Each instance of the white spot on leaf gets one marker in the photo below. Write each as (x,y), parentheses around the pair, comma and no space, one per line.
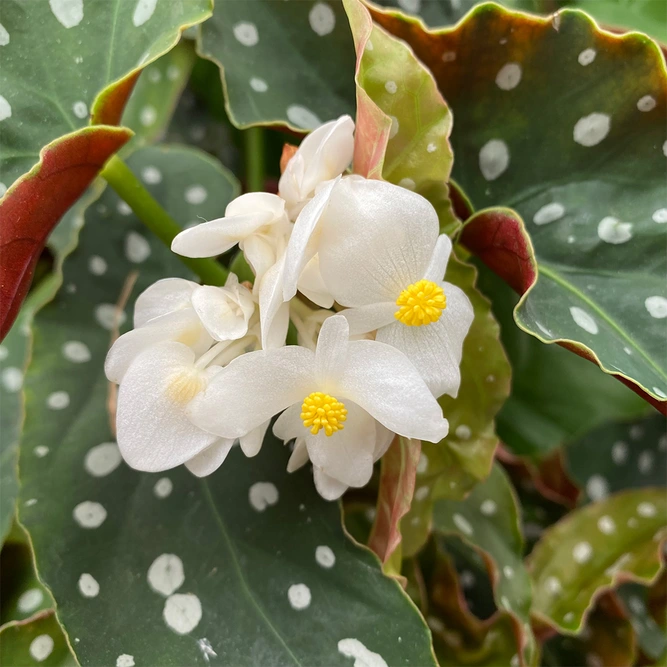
(322,19)
(597,487)
(592,129)
(103,459)
(109,316)
(299,596)
(76,352)
(410,6)
(88,585)
(125,660)
(393,130)
(246,33)
(89,514)
(151,175)
(584,320)
(148,115)
(586,57)
(494,158)
(165,575)
(58,400)
(163,487)
(488,507)
(301,117)
(41,451)
(646,103)
(660,216)
(196,194)
(143,11)
(656,307)
(41,646)
(353,648)
(262,494)
(462,524)
(325,556)
(391,87)
(619,452)
(258,85)
(12,379)
(463,432)
(80,109)
(407,183)
(582,552)
(97,265)
(645,462)
(182,612)
(5,109)
(549,213)
(137,248)
(4,36)
(68,12)
(612,230)
(606,525)
(647,510)
(30,600)
(509,76)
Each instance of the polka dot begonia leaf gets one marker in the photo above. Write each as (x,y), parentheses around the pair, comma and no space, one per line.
(403,124)
(557,397)
(288,63)
(618,456)
(83,57)
(563,122)
(488,520)
(449,469)
(38,641)
(249,566)
(593,549)
(650,636)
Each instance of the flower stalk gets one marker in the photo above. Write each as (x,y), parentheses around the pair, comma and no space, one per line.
(129,188)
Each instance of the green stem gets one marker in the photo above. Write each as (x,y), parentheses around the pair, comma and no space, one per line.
(129,188)
(254,159)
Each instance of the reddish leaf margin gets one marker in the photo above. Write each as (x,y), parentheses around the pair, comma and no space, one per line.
(35,203)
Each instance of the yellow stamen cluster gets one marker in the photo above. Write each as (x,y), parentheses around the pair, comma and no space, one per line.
(420,303)
(321,411)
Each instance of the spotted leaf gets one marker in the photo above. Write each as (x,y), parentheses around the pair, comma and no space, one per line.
(247,567)
(452,467)
(556,397)
(288,63)
(565,123)
(592,550)
(403,124)
(618,456)
(36,641)
(488,519)
(650,636)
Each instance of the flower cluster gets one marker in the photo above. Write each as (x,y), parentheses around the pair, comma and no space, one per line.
(357,265)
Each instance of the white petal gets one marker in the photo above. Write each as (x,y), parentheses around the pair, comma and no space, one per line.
(273,314)
(303,242)
(436,349)
(253,388)
(210,459)
(164,296)
(327,487)
(376,239)
(438,264)
(299,456)
(312,286)
(252,443)
(347,455)
(371,317)
(261,252)
(290,425)
(152,430)
(324,154)
(331,351)
(182,326)
(383,439)
(383,382)
(210,239)
(224,311)
(256,202)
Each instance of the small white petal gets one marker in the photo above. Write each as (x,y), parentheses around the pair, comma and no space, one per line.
(210,459)
(328,487)
(162,297)
(331,350)
(224,311)
(252,442)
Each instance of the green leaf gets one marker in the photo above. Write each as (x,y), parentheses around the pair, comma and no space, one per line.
(452,467)
(565,123)
(157,93)
(37,641)
(557,397)
(644,15)
(594,548)
(488,519)
(288,63)
(247,537)
(650,636)
(402,124)
(618,456)
(83,56)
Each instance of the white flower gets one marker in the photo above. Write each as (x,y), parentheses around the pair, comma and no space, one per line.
(324,154)
(380,255)
(256,221)
(180,310)
(332,398)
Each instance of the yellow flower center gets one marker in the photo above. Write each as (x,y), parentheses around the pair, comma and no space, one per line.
(323,411)
(420,303)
